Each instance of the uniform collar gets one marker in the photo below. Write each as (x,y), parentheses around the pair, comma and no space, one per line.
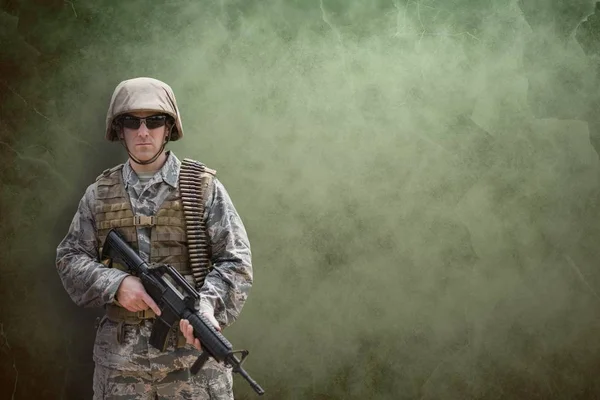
(169,172)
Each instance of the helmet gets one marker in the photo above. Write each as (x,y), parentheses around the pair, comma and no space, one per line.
(142,94)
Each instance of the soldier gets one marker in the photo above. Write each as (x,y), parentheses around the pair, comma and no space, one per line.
(141,198)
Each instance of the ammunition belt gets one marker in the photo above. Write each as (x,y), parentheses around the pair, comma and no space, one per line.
(194,181)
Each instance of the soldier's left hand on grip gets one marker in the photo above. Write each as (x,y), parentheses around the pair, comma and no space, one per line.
(188,330)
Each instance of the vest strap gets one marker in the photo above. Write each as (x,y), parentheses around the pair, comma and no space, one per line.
(123,316)
(120,314)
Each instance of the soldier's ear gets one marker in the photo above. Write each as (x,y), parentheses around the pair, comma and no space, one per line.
(118,129)
(168,130)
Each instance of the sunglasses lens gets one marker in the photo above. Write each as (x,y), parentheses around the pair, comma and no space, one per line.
(155,121)
(152,122)
(130,122)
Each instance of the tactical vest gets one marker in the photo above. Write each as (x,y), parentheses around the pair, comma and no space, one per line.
(168,244)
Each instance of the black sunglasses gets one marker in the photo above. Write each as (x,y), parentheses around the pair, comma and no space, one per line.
(152,122)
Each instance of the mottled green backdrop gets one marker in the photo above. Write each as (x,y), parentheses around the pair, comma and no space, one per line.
(419,180)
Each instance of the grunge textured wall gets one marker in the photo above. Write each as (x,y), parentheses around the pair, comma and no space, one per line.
(419,180)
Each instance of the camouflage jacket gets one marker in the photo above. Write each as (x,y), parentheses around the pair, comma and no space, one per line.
(91,284)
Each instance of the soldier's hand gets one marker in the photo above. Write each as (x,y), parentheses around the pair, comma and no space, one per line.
(133,297)
(188,330)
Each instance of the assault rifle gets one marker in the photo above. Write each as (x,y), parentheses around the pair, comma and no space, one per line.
(176,305)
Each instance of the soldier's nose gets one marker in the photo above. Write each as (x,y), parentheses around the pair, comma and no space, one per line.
(143,130)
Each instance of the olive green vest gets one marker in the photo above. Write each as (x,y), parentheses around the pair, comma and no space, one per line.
(168,244)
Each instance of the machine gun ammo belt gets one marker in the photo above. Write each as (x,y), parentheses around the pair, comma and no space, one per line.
(194,181)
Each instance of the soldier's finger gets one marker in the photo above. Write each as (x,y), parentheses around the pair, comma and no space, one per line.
(148,300)
(130,307)
(213,321)
(190,334)
(184,327)
(197,344)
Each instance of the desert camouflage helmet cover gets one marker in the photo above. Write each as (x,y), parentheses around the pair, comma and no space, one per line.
(142,94)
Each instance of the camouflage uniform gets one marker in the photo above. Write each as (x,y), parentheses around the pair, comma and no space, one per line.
(133,369)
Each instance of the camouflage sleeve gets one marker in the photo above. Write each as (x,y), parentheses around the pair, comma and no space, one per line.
(226,287)
(88,282)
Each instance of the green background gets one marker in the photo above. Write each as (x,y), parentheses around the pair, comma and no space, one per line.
(419,180)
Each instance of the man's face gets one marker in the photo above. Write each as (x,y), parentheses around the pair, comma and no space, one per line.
(145,141)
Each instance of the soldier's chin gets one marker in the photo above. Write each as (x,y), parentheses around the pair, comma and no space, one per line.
(144,155)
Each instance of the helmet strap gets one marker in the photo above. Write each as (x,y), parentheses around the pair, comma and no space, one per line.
(151,160)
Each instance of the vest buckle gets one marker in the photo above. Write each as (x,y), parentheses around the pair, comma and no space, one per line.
(143,220)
